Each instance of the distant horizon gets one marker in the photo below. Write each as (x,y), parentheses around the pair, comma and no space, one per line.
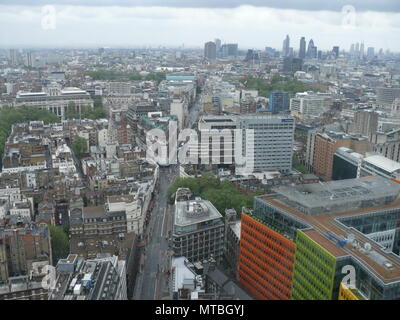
(171,47)
(127,24)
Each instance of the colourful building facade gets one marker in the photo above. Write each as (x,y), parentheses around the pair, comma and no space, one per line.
(314,270)
(266,260)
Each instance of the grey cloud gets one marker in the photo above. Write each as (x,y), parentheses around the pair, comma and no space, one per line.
(309,5)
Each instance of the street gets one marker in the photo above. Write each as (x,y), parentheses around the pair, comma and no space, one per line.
(153,278)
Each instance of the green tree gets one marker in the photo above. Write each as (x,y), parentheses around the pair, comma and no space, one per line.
(223,194)
(79,147)
(59,243)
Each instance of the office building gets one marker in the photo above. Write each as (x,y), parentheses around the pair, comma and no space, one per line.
(335,51)
(292,65)
(307,104)
(365,123)
(322,146)
(387,144)
(101,278)
(371,53)
(387,95)
(272,146)
(348,164)
(229,50)
(297,240)
(302,49)
(218,46)
(198,231)
(286,46)
(210,51)
(345,164)
(311,50)
(56,100)
(279,102)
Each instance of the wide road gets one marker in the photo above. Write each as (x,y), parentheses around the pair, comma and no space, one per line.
(153,280)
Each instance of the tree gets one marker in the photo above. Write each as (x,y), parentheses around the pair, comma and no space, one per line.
(71,111)
(222,194)
(59,243)
(79,146)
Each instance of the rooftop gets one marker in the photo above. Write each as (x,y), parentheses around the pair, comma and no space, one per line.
(383,163)
(195,212)
(338,196)
(385,266)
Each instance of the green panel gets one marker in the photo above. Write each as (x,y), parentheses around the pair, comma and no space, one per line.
(314,270)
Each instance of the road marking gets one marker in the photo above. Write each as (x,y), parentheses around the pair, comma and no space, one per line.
(162,225)
(155,290)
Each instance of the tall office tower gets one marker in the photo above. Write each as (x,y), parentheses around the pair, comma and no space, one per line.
(366,122)
(302,50)
(362,50)
(198,232)
(286,46)
(232,49)
(29,62)
(13,57)
(357,49)
(273,141)
(210,51)
(370,53)
(352,49)
(218,46)
(229,50)
(311,50)
(101,278)
(279,101)
(296,241)
(335,51)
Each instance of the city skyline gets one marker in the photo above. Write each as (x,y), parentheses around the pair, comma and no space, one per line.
(173,24)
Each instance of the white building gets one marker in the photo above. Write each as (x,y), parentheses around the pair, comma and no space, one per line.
(307,104)
(56,100)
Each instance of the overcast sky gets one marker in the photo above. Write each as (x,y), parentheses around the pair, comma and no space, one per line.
(250,23)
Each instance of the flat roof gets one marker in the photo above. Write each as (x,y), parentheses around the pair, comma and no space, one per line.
(195,211)
(341,195)
(383,163)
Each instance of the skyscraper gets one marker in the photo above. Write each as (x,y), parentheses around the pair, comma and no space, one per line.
(362,50)
(302,50)
(370,52)
(311,50)
(357,49)
(286,46)
(210,50)
(218,46)
(229,50)
(335,51)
